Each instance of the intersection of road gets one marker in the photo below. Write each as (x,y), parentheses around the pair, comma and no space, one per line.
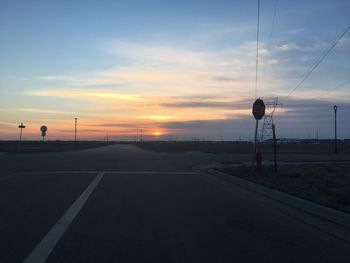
(144,207)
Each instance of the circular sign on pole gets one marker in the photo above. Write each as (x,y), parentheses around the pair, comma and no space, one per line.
(259,109)
(43,130)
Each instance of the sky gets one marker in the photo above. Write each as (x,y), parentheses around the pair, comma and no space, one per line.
(178,70)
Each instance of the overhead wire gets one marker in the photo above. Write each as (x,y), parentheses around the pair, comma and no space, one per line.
(329,91)
(270,36)
(318,62)
(273,23)
(257,50)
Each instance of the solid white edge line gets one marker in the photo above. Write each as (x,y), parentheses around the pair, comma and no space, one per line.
(42,251)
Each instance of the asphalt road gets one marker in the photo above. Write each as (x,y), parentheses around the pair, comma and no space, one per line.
(123,204)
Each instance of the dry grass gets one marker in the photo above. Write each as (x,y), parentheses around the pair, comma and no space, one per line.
(218,147)
(325,183)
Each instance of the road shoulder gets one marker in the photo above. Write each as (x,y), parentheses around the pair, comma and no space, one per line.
(331,221)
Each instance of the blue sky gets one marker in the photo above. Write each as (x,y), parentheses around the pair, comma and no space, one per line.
(184,68)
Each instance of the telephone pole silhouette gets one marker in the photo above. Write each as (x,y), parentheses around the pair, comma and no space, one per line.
(75,130)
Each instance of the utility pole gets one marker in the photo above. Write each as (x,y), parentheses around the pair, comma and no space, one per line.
(141,135)
(335,129)
(274,147)
(75,130)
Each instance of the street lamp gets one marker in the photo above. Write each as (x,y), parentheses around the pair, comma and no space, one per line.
(75,131)
(335,129)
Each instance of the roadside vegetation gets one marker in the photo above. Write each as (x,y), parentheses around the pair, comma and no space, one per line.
(324,183)
(239,147)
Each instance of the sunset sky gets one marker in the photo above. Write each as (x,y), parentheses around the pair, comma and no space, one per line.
(177,69)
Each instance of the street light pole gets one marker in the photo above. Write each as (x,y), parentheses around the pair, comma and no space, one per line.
(335,129)
(274,147)
(75,131)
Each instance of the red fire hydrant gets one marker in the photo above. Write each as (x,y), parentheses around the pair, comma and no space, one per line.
(258,159)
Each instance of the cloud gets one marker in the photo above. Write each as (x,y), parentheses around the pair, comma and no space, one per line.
(208,104)
(146,68)
(316,46)
(344,43)
(58,78)
(85,94)
(116,124)
(295,31)
(289,46)
(70,131)
(155,55)
(179,89)
(46,111)
(297,119)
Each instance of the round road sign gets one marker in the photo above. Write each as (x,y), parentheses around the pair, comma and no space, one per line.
(259,109)
(43,130)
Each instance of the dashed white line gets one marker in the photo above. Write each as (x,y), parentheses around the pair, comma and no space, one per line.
(42,251)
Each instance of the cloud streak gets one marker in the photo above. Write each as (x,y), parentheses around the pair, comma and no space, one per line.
(182,90)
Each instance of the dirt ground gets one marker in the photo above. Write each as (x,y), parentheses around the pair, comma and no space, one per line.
(326,183)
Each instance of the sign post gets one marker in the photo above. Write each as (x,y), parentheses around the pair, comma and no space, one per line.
(21,126)
(258,113)
(43,130)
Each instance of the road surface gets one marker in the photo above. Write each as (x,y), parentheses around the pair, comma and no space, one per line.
(122,204)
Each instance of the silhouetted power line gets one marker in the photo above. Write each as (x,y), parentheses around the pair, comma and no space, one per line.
(273,24)
(337,87)
(318,61)
(257,50)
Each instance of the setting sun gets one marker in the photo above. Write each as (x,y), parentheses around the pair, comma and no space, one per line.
(157,133)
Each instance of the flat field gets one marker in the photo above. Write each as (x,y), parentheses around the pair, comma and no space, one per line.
(47,146)
(241,147)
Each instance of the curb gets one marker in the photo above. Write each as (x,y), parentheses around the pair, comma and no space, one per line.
(332,221)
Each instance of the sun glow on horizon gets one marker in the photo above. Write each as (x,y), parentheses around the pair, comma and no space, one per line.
(157,133)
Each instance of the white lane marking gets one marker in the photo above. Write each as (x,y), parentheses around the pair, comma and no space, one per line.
(107,172)
(121,172)
(59,172)
(42,251)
